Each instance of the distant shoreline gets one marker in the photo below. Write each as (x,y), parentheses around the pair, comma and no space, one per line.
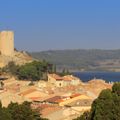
(107,76)
(82,59)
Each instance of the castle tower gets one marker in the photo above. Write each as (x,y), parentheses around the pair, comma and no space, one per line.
(7,43)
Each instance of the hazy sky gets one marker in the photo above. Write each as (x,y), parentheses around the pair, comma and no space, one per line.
(62,24)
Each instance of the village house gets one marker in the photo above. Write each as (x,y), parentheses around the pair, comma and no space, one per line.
(67,100)
(42,84)
(71,80)
(56,80)
(59,81)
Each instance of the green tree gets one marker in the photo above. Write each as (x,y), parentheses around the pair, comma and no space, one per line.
(11,68)
(54,69)
(116,98)
(85,116)
(35,70)
(23,112)
(65,72)
(103,106)
(16,111)
(106,106)
(4,113)
(29,72)
(116,88)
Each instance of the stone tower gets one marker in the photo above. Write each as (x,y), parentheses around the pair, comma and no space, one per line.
(7,43)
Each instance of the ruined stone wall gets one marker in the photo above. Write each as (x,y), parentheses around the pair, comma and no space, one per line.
(7,43)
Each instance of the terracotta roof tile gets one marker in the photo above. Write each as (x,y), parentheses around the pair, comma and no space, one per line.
(57,77)
(34,98)
(53,99)
(49,110)
(75,95)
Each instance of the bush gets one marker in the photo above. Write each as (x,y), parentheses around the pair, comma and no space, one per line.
(16,111)
(30,71)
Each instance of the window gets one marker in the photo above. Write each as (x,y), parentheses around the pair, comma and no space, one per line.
(60,84)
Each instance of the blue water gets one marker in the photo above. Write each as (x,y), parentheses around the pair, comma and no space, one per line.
(107,76)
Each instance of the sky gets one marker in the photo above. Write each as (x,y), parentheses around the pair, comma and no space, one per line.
(41,25)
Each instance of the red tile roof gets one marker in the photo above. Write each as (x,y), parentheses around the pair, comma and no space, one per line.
(57,77)
(75,95)
(35,98)
(53,99)
(65,78)
(69,78)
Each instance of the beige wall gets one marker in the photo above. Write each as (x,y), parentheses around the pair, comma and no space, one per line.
(51,79)
(42,84)
(67,83)
(75,82)
(7,43)
(59,83)
(82,108)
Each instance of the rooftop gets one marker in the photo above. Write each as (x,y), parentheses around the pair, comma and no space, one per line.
(65,78)
(57,77)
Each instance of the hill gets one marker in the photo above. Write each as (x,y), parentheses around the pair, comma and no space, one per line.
(19,57)
(81,59)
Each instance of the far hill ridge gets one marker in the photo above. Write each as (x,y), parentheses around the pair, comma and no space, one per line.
(82,59)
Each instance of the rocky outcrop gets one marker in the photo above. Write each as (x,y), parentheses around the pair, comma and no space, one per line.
(19,58)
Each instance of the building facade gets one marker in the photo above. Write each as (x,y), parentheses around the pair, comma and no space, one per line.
(59,81)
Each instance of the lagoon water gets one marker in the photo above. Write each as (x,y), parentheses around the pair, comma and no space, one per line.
(108,76)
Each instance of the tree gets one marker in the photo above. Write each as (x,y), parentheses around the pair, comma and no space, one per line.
(4,113)
(116,88)
(102,107)
(85,116)
(106,106)
(54,69)
(23,112)
(29,72)
(35,70)
(11,68)
(65,72)
(116,98)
